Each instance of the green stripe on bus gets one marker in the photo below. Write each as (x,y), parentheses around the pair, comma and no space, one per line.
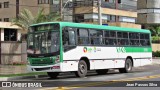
(133,49)
(138,49)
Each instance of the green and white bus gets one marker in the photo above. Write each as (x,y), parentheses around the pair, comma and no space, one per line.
(55,47)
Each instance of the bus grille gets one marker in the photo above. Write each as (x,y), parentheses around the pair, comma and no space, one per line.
(41,61)
(41,69)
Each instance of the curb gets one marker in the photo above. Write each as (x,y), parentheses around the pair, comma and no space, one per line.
(21,77)
(155,57)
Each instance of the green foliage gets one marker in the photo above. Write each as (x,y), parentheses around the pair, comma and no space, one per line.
(26,18)
(156,54)
(155,30)
(155,39)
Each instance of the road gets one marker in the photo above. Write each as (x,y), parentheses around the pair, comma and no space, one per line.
(111,81)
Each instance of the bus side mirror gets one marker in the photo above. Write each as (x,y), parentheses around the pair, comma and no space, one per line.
(65,36)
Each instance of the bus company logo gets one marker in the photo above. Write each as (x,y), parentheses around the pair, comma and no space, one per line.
(121,50)
(95,49)
(89,50)
(85,49)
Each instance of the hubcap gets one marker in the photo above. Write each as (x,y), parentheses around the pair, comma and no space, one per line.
(128,66)
(82,68)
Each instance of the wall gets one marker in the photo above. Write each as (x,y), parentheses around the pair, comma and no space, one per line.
(15,52)
(141,4)
(155,47)
(9,25)
(148,11)
(32,5)
(122,24)
(129,2)
(12,51)
(119,24)
(83,10)
(2,35)
(8,12)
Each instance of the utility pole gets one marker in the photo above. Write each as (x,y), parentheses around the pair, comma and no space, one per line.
(60,9)
(116,7)
(17,8)
(99,12)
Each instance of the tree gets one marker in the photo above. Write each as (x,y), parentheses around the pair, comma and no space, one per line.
(155,29)
(26,18)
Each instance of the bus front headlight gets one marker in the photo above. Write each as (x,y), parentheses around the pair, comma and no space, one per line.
(28,62)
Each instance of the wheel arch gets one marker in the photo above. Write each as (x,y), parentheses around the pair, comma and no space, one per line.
(87,62)
(129,57)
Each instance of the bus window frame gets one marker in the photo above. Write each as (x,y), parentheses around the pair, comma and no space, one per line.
(103,38)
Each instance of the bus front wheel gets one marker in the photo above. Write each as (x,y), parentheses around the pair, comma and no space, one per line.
(128,66)
(53,74)
(82,69)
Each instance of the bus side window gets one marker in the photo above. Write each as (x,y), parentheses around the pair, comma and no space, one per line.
(134,39)
(96,37)
(83,38)
(72,40)
(144,39)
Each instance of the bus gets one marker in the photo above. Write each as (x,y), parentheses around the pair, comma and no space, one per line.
(56,47)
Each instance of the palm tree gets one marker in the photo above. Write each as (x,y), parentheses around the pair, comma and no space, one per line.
(26,18)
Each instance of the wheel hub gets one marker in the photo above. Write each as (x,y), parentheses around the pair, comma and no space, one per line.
(82,68)
(128,66)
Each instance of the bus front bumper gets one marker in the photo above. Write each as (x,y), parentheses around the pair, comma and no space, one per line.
(48,68)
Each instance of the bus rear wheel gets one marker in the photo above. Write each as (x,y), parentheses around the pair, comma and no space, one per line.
(82,69)
(128,66)
(102,71)
(53,74)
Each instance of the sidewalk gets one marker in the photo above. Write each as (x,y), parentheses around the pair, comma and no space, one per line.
(12,69)
(156,61)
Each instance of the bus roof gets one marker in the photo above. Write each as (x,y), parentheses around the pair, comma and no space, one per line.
(93,26)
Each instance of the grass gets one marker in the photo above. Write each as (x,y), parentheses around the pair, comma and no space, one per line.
(24,74)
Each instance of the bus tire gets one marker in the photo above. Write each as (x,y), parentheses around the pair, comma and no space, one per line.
(82,69)
(102,71)
(53,74)
(128,66)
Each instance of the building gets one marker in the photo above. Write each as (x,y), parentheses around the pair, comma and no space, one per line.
(67,9)
(10,36)
(148,15)
(11,8)
(148,12)
(13,50)
(114,12)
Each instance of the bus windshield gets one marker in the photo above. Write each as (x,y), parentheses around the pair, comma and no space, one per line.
(43,42)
